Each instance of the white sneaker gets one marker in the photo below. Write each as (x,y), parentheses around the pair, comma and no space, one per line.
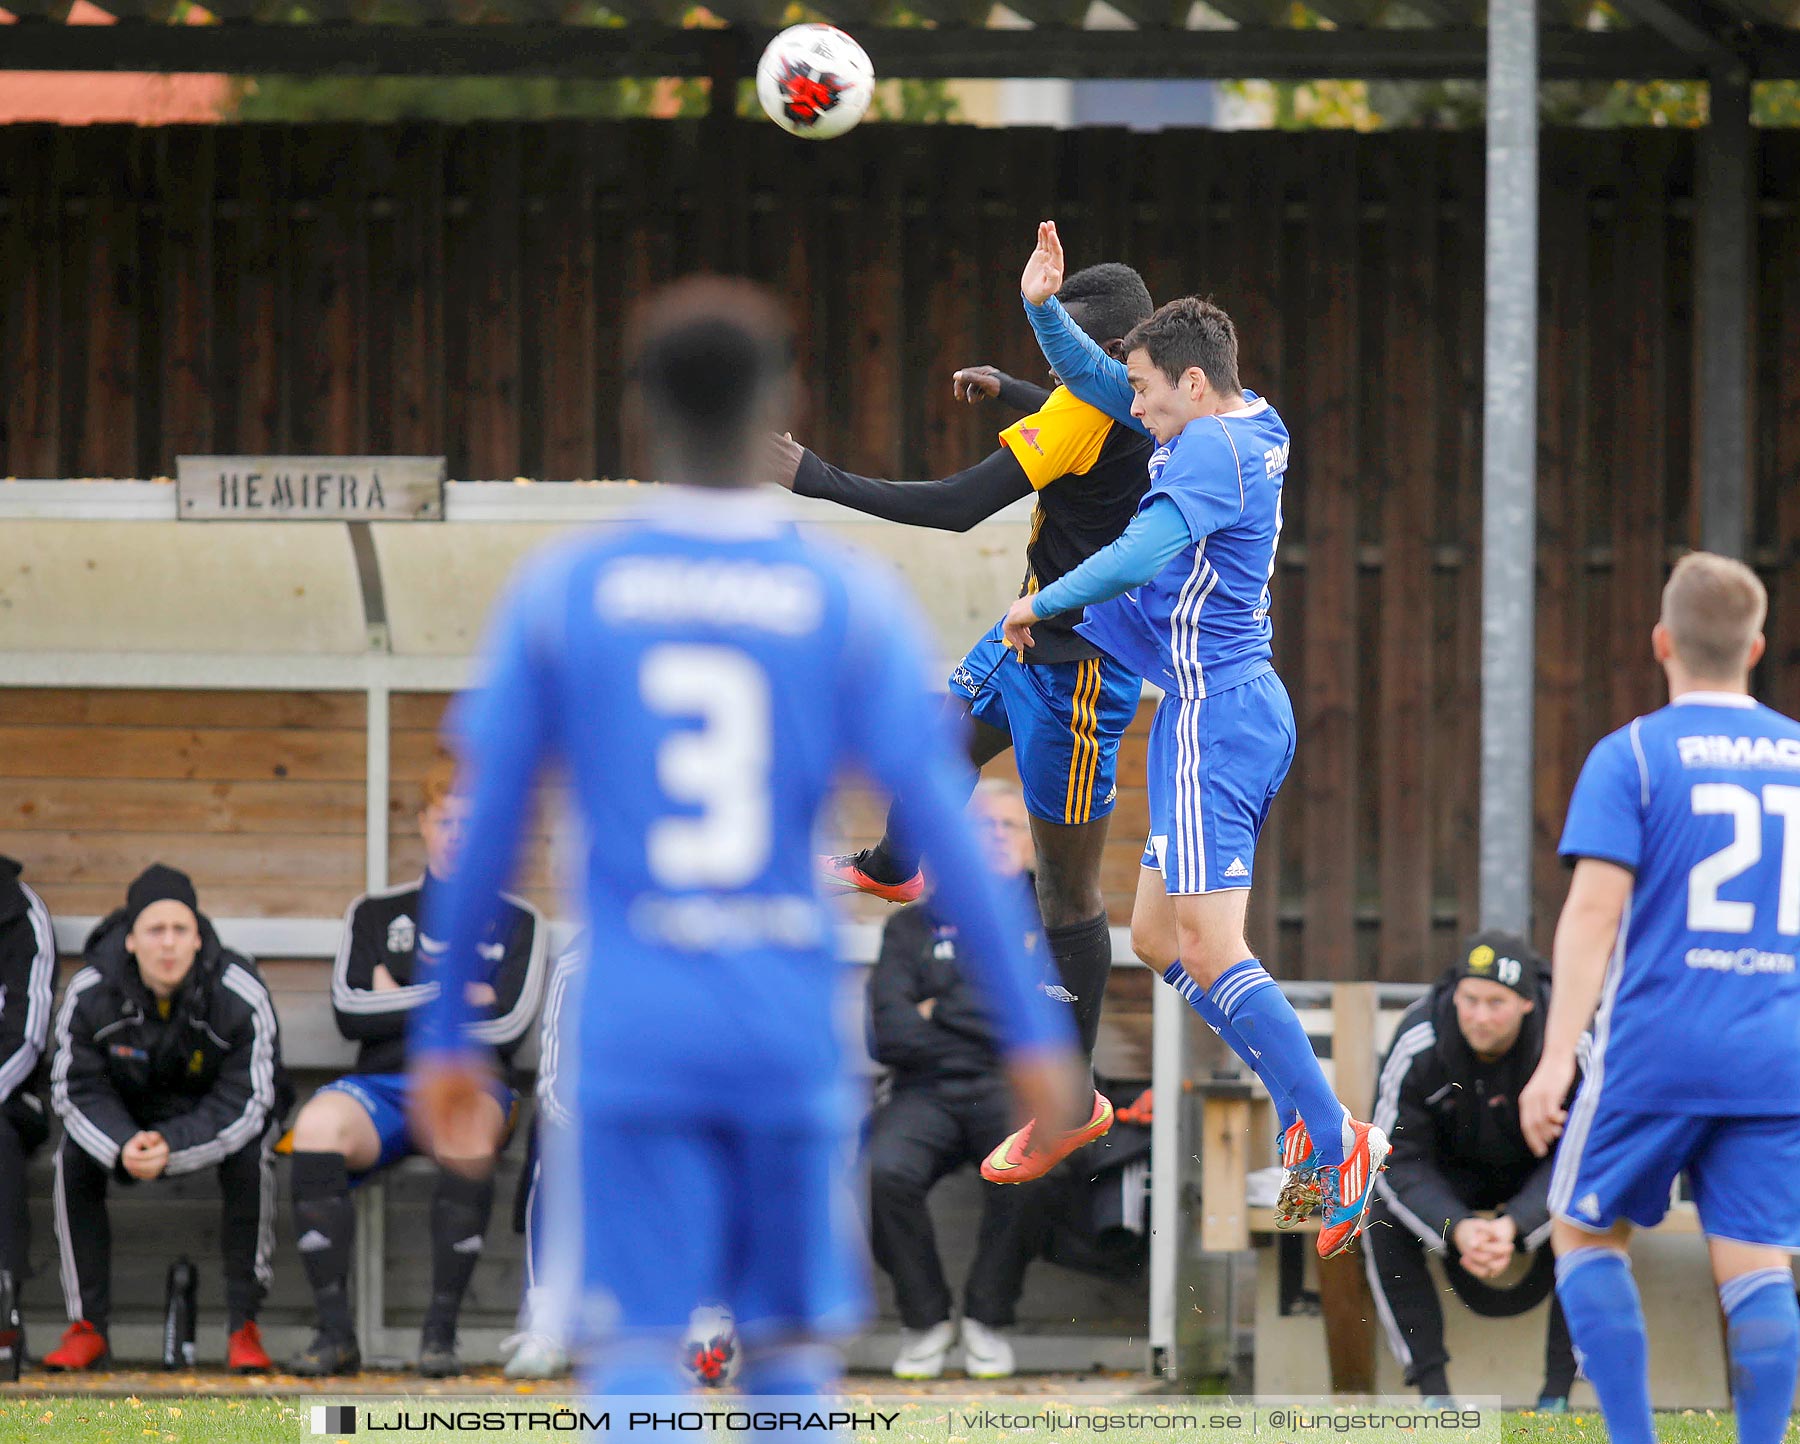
(922,1351)
(534,1356)
(986,1353)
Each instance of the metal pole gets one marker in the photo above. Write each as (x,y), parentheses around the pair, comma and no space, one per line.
(379,736)
(1724,274)
(1168,1171)
(1509,466)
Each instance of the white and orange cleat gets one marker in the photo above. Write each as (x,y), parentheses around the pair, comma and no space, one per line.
(1350,1189)
(1303,1185)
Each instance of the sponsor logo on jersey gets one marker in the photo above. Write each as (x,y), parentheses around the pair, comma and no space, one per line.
(402,934)
(664,591)
(490,952)
(1744,962)
(1715,751)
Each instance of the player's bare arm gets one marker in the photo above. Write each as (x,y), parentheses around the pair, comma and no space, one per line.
(1585,934)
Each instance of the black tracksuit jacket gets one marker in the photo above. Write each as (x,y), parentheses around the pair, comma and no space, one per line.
(206,1074)
(1454,1123)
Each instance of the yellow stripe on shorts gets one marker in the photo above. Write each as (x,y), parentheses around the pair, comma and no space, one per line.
(1084,761)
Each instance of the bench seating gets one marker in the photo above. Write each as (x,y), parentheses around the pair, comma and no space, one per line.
(1066,1320)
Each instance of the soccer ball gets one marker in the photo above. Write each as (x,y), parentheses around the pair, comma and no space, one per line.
(709,1353)
(814,81)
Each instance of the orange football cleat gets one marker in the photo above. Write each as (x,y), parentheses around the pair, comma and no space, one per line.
(1017,1161)
(845,872)
(1350,1189)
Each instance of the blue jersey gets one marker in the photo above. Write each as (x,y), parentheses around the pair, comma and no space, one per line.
(703,675)
(1701,1008)
(1201,625)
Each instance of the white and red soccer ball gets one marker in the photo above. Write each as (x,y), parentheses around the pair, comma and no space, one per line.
(815,81)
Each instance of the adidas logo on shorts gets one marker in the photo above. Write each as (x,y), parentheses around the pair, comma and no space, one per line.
(1589,1205)
(1237,868)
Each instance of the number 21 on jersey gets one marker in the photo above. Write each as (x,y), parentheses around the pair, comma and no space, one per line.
(1707,911)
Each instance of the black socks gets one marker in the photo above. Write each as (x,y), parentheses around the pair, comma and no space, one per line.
(325,1223)
(1083,954)
(459,1218)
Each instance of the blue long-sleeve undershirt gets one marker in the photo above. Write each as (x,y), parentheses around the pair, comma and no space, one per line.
(1157,535)
(1080,363)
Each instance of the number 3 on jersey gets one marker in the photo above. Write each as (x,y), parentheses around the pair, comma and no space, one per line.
(720,767)
(1707,911)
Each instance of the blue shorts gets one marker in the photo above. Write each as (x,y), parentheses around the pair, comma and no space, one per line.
(1065,720)
(676,1214)
(383,1097)
(1214,766)
(1744,1172)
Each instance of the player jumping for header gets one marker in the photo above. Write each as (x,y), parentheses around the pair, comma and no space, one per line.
(1678,939)
(1183,598)
(703,674)
(1064,705)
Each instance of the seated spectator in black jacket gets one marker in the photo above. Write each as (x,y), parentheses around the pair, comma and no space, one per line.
(27,980)
(1461,1182)
(168,1060)
(949,1106)
(360,1123)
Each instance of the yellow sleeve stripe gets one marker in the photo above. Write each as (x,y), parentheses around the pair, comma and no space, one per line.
(1064,438)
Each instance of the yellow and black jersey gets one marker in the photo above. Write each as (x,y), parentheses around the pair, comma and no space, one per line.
(1089,473)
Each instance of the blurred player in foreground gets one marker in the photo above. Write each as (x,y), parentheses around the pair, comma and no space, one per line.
(1680,933)
(1062,706)
(702,676)
(1183,597)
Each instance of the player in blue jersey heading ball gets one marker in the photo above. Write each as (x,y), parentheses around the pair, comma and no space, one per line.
(703,674)
(1183,597)
(1679,940)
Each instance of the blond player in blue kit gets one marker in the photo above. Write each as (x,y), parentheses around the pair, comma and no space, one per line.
(1679,941)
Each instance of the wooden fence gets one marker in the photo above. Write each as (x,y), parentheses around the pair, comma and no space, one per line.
(462,290)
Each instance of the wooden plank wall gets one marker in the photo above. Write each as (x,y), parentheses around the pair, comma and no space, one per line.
(463,290)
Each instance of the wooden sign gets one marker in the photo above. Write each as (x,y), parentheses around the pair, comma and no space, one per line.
(310,488)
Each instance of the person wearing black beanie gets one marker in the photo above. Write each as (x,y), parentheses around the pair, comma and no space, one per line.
(167,1061)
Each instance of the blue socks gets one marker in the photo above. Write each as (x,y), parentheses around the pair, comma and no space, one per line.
(1764,1334)
(1606,1324)
(1282,1054)
(1177,977)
